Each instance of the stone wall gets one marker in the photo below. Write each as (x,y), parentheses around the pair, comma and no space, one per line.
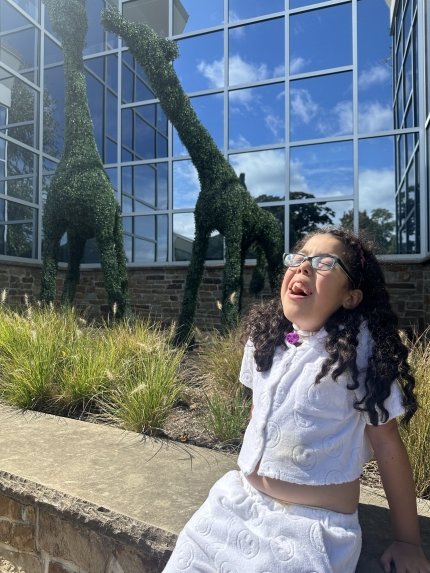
(36,537)
(157,291)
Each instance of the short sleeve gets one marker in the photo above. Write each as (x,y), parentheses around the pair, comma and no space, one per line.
(393,404)
(247,369)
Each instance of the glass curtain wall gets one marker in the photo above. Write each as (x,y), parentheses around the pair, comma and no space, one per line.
(298,95)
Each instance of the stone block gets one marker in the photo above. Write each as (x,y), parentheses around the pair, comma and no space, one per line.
(73,542)
(125,560)
(17,535)
(56,567)
(12,562)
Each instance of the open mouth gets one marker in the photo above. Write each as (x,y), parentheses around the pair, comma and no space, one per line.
(300,289)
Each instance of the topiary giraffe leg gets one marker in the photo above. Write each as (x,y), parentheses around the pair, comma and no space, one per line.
(50,264)
(192,283)
(76,251)
(111,279)
(232,275)
(120,257)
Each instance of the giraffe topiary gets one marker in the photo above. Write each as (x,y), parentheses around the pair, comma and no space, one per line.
(223,204)
(80,200)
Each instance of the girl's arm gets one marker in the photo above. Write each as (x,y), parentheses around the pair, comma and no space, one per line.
(405,552)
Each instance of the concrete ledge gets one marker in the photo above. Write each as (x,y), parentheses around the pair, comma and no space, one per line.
(130,491)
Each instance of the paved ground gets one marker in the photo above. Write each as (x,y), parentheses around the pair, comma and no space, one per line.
(154,482)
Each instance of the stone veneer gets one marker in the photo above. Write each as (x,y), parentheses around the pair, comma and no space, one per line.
(157,291)
(41,534)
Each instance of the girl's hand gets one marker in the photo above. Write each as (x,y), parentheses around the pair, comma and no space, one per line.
(406,557)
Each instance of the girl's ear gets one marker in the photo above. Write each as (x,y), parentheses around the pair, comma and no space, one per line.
(353,299)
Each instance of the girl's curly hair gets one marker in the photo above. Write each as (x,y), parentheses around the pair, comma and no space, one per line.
(266,325)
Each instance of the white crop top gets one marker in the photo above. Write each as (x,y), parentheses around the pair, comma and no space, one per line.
(302,432)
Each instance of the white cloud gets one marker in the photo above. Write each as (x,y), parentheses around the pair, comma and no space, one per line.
(275,124)
(242,72)
(302,105)
(376,189)
(213,72)
(375,117)
(320,181)
(297,64)
(376,75)
(343,114)
(264,172)
(240,141)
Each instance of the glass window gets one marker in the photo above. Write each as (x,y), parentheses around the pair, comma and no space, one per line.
(23,107)
(22,188)
(374,67)
(264,173)
(20,161)
(183,236)
(200,65)
(256,52)
(190,15)
(112,72)
(53,53)
(146,185)
(141,134)
(17,42)
(150,238)
(111,116)
(186,186)
(257,116)
(53,111)
(302,3)
(321,39)
(210,111)
(19,234)
(30,6)
(96,39)
(377,211)
(307,217)
(321,170)
(243,9)
(321,107)
(135,85)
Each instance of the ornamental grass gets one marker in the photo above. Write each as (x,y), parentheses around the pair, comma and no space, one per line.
(53,361)
(417,436)
(217,367)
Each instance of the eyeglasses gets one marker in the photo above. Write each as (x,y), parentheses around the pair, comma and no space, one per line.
(318,262)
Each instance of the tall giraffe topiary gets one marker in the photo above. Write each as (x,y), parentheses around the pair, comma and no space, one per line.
(223,204)
(80,200)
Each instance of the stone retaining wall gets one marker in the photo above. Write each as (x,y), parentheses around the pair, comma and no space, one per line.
(46,532)
(158,291)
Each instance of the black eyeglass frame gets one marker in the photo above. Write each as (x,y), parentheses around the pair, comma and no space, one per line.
(336,261)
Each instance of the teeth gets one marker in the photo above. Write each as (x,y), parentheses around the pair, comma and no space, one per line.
(299,288)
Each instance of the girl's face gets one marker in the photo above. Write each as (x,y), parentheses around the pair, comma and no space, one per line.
(309,297)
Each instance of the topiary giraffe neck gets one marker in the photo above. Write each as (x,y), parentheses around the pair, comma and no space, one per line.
(78,122)
(155,55)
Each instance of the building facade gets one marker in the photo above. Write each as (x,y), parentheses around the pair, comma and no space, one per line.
(323,105)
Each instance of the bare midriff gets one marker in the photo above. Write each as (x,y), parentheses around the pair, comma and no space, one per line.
(342,497)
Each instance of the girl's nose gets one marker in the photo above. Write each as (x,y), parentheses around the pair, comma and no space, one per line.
(305,267)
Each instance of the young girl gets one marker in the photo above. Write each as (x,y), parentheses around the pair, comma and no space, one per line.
(329,375)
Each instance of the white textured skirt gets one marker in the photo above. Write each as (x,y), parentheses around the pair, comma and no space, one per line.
(241,530)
